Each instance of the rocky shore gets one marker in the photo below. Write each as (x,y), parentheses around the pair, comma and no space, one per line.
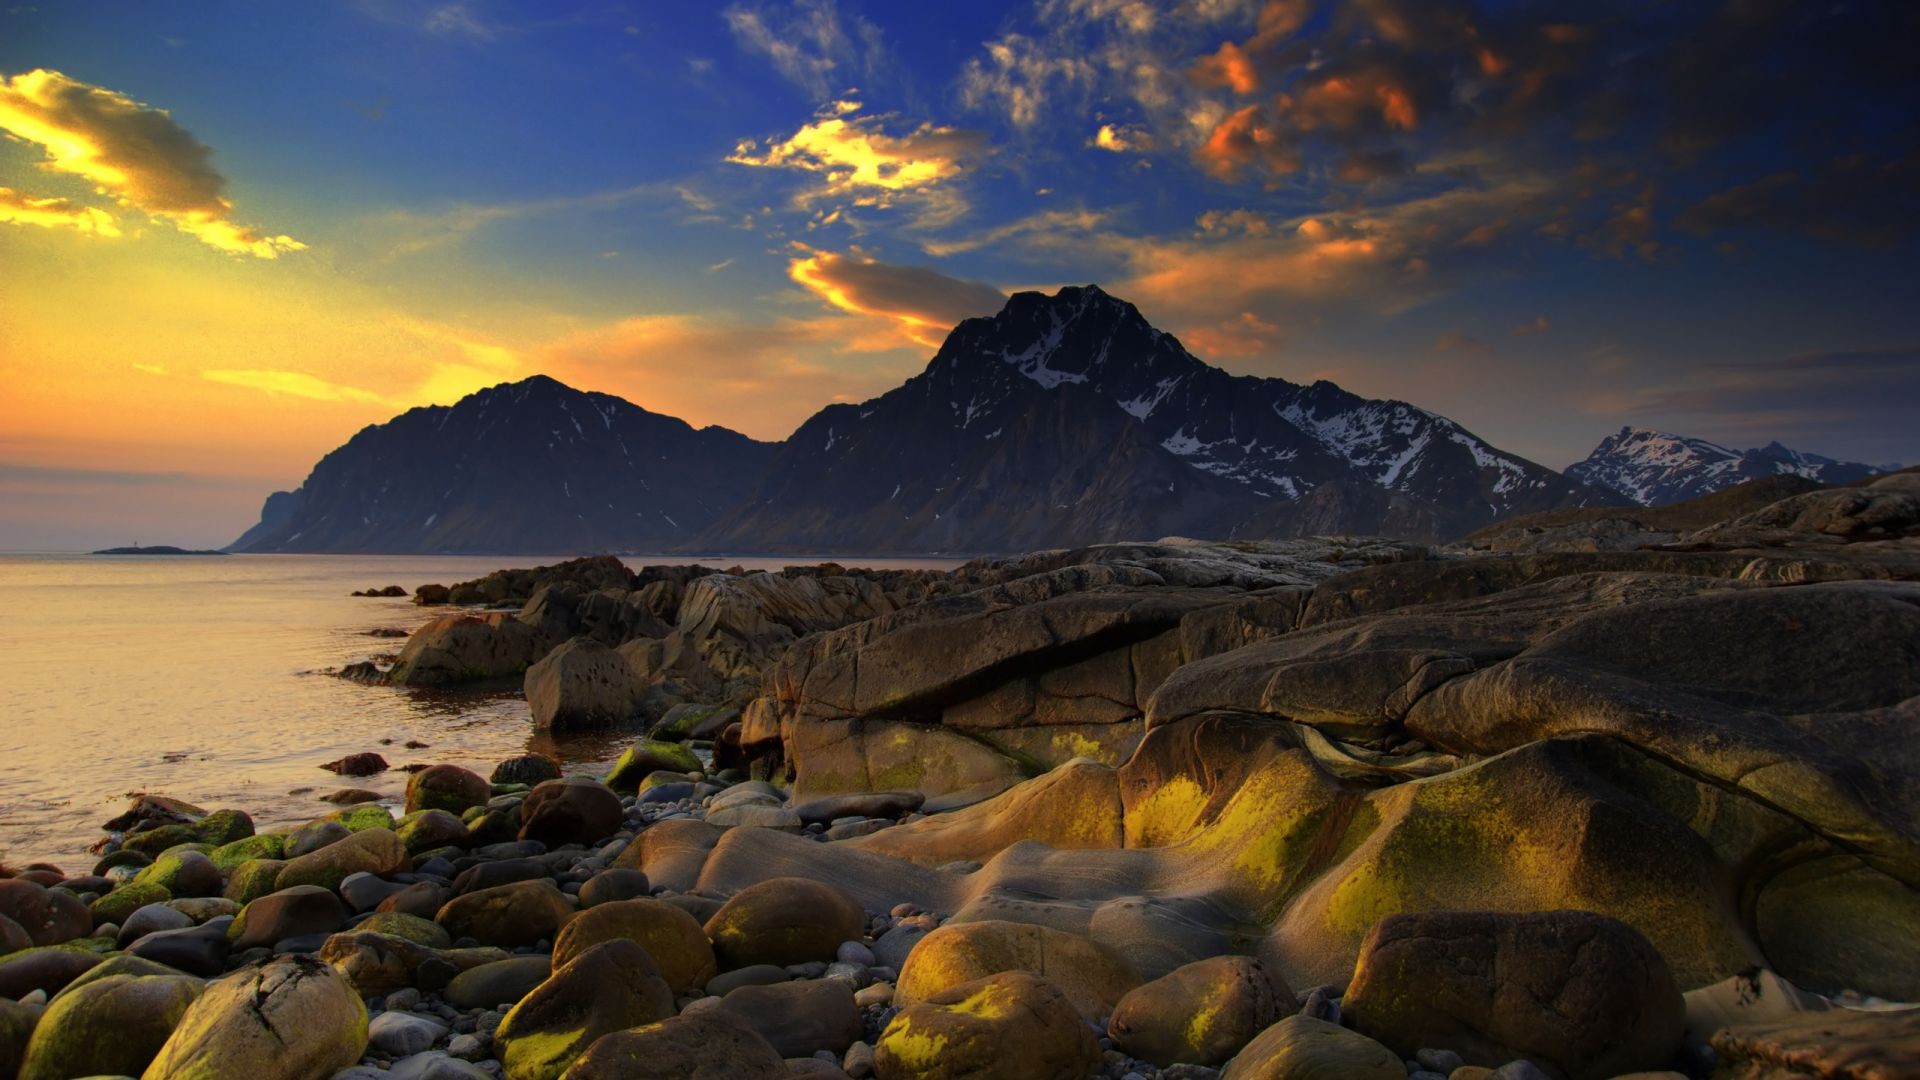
(1583,798)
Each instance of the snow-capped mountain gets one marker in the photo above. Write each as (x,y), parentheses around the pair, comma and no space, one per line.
(533,466)
(1653,468)
(1069,419)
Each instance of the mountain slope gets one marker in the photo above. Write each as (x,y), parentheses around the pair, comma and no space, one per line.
(533,466)
(1068,419)
(1653,468)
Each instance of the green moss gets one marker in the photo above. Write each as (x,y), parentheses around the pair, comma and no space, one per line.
(127,899)
(363,817)
(253,879)
(223,827)
(647,756)
(228,857)
(155,841)
(411,927)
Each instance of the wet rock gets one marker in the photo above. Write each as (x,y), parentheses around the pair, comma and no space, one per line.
(1201,1013)
(1091,975)
(111,1026)
(528,769)
(196,950)
(649,756)
(401,925)
(610,885)
(488,875)
(707,1043)
(49,916)
(1302,1048)
(373,851)
(426,830)
(313,836)
(1581,993)
(302,909)
(446,787)
(363,891)
(502,982)
(609,987)
(799,1018)
(522,913)
(670,936)
(183,873)
(576,810)
(581,686)
(362,764)
(253,879)
(784,921)
(288,1020)
(228,857)
(1010,1025)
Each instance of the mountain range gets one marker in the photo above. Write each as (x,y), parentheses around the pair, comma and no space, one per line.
(1061,420)
(1653,468)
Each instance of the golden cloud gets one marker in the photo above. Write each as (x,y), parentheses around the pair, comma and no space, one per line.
(132,152)
(857,160)
(55,213)
(923,302)
(291,383)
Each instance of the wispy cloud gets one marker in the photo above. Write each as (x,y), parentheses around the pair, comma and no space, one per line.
(132,152)
(55,213)
(809,43)
(292,384)
(922,301)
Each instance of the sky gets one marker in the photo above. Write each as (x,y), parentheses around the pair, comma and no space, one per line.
(233,234)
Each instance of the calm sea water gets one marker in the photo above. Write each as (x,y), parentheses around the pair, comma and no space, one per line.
(203,678)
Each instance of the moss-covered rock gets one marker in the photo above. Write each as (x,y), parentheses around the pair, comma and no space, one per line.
(1011,1026)
(412,927)
(373,851)
(446,787)
(183,873)
(123,964)
(671,937)
(16,1028)
(362,817)
(127,899)
(291,912)
(784,921)
(44,967)
(223,827)
(1093,976)
(253,879)
(610,987)
(710,1042)
(425,830)
(1201,1013)
(1301,1046)
(112,1026)
(650,755)
(228,857)
(155,841)
(522,913)
(293,1018)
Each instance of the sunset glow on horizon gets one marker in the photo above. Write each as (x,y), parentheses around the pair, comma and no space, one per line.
(232,236)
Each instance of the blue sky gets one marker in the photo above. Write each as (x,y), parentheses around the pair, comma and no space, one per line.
(231,234)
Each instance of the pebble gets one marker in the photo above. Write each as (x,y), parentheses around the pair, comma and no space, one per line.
(399,1034)
(1520,1070)
(435,1066)
(1440,1061)
(404,999)
(853,952)
(467,1047)
(858,1062)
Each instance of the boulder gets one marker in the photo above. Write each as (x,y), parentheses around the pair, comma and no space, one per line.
(228,857)
(376,964)
(618,884)
(576,810)
(581,686)
(402,925)
(1842,1044)
(1092,976)
(610,987)
(16,1029)
(313,836)
(366,763)
(784,921)
(45,968)
(423,899)
(522,913)
(426,830)
(670,936)
(647,756)
(446,787)
(801,1017)
(183,873)
(49,916)
(293,912)
(374,851)
(120,904)
(871,804)
(1572,991)
(1202,1013)
(1010,1025)
(502,982)
(253,879)
(711,1044)
(1303,1048)
(461,648)
(290,1020)
(196,950)
(113,1026)
(526,769)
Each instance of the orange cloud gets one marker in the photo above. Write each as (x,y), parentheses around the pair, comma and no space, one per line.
(1229,68)
(923,302)
(133,152)
(55,213)
(1244,335)
(856,160)
(291,383)
(1246,139)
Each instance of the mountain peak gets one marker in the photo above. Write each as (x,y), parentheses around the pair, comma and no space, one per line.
(1654,468)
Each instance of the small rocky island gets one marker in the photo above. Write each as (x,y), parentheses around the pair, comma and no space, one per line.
(155,549)
(1588,795)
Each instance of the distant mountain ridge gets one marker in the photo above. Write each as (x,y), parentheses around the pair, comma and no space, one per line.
(1061,420)
(532,466)
(1654,468)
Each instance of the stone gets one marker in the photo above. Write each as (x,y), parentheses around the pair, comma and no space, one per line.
(111,1026)
(1302,1048)
(502,982)
(351,796)
(120,904)
(290,1020)
(892,948)
(677,944)
(610,885)
(576,810)
(748,815)
(1201,1013)
(1091,975)
(1009,1025)
(868,804)
(801,1017)
(1581,993)
(433,1065)
(196,950)
(253,879)
(446,787)
(784,921)
(581,686)
(366,763)
(228,857)
(16,1028)
(462,648)
(183,873)
(488,875)
(361,818)
(119,964)
(400,1034)
(422,899)
(522,913)
(49,916)
(708,1044)
(363,891)
(379,964)
(610,987)
(150,919)
(1839,1044)
(1748,998)
(302,909)
(313,836)
(528,769)
(426,830)
(402,925)
(647,756)
(752,975)
(44,968)
(373,851)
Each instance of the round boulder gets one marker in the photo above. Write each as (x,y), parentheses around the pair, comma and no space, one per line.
(374,851)
(293,1018)
(576,810)
(610,885)
(502,982)
(112,1026)
(446,787)
(49,916)
(425,830)
(522,913)
(801,1016)
(783,921)
(1301,1047)
(528,769)
(610,987)
(1201,1013)
(1011,1026)
(1578,992)
(650,755)
(671,936)
(1093,976)
(707,1043)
